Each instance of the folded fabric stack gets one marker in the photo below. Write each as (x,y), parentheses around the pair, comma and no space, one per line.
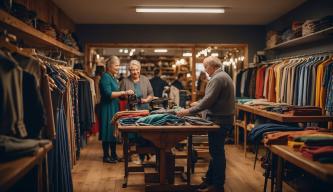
(160,119)
(308,27)
(292,137)
(272,39)
(324,23)
(129,114)
(306,111)
(21,12)
(314,143)
(46,28)
(322,154)
(67,37)
(256,134)
(12,148)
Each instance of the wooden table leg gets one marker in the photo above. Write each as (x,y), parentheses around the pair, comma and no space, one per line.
(245,134)
(162,166)
(39,176)
(189,159)
(279,174)
(273,170)
(126,158)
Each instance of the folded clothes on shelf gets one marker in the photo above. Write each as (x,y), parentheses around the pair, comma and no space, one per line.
(12,148)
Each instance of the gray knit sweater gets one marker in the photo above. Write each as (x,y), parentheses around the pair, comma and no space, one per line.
(219,99)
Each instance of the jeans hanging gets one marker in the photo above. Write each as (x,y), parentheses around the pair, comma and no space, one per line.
(59,162)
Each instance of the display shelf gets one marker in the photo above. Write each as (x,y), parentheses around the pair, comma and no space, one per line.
(31,36)
(304,39)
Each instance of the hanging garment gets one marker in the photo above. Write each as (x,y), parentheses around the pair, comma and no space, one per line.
(11,97)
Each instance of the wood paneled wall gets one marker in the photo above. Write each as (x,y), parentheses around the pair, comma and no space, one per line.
(47,11)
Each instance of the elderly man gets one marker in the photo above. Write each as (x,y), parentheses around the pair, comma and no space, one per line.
(218,105)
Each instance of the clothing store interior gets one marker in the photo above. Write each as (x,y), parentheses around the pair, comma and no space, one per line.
(133,96)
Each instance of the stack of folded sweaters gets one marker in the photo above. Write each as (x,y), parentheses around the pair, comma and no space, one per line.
(313,143)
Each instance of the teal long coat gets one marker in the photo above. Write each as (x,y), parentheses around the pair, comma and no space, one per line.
(108,106)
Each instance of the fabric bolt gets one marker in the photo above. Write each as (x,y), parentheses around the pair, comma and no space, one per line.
(314,138)
(109,106)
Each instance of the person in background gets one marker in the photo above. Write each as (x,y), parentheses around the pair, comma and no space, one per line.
(139,84)
(202,83)
(121,76)
(178,82)
(157,83)
(98,75)
(109,90)
(142,88)
(219,105)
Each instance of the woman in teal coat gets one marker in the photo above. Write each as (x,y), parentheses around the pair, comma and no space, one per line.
(109,89)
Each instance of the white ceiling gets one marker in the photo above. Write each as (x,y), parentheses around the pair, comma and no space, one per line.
(240,12)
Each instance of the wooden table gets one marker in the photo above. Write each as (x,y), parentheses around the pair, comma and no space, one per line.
(283,118)
(164,138)
(283,153)
(12,171)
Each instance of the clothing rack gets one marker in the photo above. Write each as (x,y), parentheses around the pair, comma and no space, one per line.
(51,59)
(328,53)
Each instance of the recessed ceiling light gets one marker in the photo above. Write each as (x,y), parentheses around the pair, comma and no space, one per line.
(160,50)
(178,10)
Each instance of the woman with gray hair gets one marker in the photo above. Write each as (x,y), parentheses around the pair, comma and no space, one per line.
(109,105)
(139,84)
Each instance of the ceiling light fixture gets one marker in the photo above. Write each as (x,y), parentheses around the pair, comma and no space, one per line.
(178,10)
(160,50)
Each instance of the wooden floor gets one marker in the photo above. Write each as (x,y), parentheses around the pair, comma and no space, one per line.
(91,174)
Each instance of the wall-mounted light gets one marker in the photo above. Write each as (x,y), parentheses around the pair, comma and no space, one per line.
(121,50)
(187,54)
(160,50)
(179,10)
(214,54)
